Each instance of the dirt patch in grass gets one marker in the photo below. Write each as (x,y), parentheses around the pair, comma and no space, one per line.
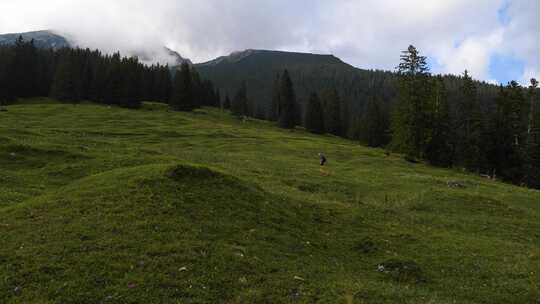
(366,246)
(403,271)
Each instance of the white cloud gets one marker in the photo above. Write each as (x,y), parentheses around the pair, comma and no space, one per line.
(456,34)
(522,35)
(473,54)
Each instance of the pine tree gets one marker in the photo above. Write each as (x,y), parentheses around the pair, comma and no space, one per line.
(532,171)
(314,115)
(440,149)
(276,99)
(468,126)
(113,91)
(518,112)
(506,151)
(23,69)
(64,87)
(197,89)
(410,124)
(332,111)
(374,124)
(182,97)
(518,124)
(218,99)
(239,106)
(227,102)
(6,55)
(163,86)
(287,102)
(131,84)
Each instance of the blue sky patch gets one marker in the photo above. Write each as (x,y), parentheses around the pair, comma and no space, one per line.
(502,12)
(505,68)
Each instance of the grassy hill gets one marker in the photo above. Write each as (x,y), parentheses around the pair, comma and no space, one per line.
(107,205)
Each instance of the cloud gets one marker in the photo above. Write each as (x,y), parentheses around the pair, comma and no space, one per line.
(522,35)
(455,34)
(472,54)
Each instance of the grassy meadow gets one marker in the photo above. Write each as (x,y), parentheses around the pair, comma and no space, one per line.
(108,205)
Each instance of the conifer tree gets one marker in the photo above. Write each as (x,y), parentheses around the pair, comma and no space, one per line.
(374,124)
(440,149)
(411,121)
(163,85)
(182,97)
(287,102)
(239,106)
(506,151)
(276,99)
(468,126)
(5,60)
(227,102)
(197,89)
(314,115)
(23,69)
(113,91)
(218,99)
(532,171)
(64,87)
(518,112)
(332,111)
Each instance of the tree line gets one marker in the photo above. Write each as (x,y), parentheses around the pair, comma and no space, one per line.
(499,138)
(73,75)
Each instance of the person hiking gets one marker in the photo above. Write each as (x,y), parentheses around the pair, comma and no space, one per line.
(322,158)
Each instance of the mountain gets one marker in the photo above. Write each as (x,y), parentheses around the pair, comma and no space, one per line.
(274,57)
(162,55)
(52,40)
(312,73)
(177,56)
(42,39)
(309,72)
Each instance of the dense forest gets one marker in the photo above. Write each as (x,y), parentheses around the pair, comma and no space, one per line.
(74,75)
(310,73)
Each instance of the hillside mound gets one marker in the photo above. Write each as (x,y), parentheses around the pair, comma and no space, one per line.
(146,233)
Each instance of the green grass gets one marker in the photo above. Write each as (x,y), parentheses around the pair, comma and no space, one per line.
(107,205)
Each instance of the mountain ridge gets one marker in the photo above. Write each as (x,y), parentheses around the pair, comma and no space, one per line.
(309,73)
(314,73)
(51,39)
(42,39)
(238,56)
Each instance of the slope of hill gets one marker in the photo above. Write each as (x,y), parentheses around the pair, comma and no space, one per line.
(107,205)
(42,39)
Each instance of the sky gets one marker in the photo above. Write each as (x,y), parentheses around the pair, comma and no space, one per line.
(496,40)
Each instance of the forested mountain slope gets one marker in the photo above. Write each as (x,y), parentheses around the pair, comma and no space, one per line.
(312,73)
